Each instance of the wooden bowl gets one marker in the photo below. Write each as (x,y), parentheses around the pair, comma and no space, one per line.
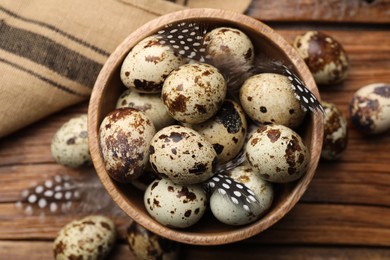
(208,231)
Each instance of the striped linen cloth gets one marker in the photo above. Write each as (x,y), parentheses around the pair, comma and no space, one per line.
(52,51)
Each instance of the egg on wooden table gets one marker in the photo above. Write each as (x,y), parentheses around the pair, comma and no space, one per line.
(182,155)
(335,132)
(147,245)
(124,138)
(69,145)
(269,98)
(325,57)
(174,205)
(150,104)
(228,211)
(226,131)
(148,64)
(369,108)
(194,92)
(91,237)
(277,153)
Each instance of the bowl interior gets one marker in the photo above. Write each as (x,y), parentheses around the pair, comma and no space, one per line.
(209,231)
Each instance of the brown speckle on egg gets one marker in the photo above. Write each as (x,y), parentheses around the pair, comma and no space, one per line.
(277,153)
(125,143)
(335,132)
(179,202)
(325,57)
(369,108)
(148,64)
(69,145)
(202,90)
(192,160)
(89,238)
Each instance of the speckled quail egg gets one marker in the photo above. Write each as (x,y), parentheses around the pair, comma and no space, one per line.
(325,57)
(124,138)
(150,104)
(335,132)
(269,98)
(149,246)
(231,213)
(277,153)
(194,92)
(175,205)
(148,64)
(370,108)
(182,155)
(226,131)
(69,145)
(91,237)
(225,42)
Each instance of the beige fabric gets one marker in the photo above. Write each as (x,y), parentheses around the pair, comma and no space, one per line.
(52,51)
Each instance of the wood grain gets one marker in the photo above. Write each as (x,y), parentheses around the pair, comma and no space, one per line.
(358,11)
(43,250)
(345,212)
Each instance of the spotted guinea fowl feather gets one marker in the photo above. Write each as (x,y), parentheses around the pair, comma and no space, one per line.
(65,194)
(238,193)
(187,39)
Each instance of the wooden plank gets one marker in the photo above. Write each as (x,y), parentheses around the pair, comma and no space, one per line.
(37,250)
(281,252)
(333,183)
(306,223)
(362,11)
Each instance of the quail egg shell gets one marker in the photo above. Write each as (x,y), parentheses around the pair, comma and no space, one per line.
(233,214)
(370,108)
(226,131)
(148,64)
(91,237)
(175,205)
(147,245)
(228,42)
(269,98)
(124,138)
(182,155)
(69,145)
(150,104)
(325,57)
(335,132)
(194,92)
(277,153)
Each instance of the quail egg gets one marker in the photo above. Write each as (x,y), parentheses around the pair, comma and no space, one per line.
(325,57)
(182,155)
(268,98)
(335,132)
(277,153)
(231,213)
(226,131)
(175,205)
(91,237)
(148,64)
(370,108)
(228,42)
(149,246)
(69,145)
(150,104)
(124,138)
(194,92)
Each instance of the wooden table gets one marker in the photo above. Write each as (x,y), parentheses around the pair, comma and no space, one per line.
(344,214)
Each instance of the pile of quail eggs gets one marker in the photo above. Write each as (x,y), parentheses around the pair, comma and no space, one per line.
(177,124)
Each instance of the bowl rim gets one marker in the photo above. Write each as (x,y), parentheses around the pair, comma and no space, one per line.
(105,75)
